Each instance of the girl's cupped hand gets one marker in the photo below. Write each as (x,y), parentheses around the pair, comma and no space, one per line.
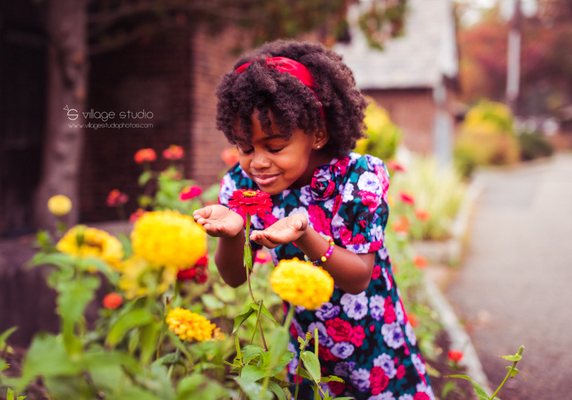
(219,221)
(285,230)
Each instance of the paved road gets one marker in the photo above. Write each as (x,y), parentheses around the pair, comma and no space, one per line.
(515,286)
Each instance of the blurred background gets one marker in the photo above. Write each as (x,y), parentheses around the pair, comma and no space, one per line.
(455,88)
(83,85)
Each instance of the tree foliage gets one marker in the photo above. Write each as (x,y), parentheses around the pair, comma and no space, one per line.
(546,65)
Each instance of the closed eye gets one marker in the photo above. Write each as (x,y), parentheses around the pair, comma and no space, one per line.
(275,149)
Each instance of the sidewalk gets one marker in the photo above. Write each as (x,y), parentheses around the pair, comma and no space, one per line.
(513,287)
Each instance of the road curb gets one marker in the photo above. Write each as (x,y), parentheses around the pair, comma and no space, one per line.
(452,254)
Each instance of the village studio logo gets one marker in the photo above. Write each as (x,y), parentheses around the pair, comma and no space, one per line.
(107,119)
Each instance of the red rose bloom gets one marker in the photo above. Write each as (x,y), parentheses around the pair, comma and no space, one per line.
(336,388)
(145,155)
(378,380)
(339,330)
(250,202)
(357,335)
(173,152)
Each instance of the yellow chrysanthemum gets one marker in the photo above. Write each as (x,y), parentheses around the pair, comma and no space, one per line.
(139,279)
(302,284)
(191,326)
(168,238)
(83,241)
(59,205)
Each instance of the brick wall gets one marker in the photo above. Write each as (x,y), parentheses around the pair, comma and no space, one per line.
(154,76)
(213,56)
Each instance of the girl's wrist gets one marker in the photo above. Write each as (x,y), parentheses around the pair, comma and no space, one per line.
(315,246)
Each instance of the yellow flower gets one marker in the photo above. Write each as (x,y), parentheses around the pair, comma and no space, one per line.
(139,279)
(59,205)
(301,283)
(168,238)
(83,241)
(191,326)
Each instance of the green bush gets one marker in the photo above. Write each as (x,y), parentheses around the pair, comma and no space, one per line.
(534,145)
(433,197)
(487,138)
(382,136)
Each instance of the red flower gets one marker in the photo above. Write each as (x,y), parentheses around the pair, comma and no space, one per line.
(145,155)
(229,156)
(190,192)
(136,215)
(378,380)
(197,272)
(400,372)
(357,335)
(116,198)
(112,301)
(421,396)
(376,273)
(336,388)
(395,166)
(173,152)
(389,311)
(406,198)
(250,202)
(455,355)
(326,354)
(339,330)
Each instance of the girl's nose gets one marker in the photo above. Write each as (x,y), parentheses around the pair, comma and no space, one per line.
(259,160)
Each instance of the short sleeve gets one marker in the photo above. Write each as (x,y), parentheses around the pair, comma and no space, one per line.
(361,212)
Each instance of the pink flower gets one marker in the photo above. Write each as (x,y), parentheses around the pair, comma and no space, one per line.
(406,198)
(395,166)
(319,220)
(190,192)
(357,335)
(369,199)
(378,380)
(376,273)
(389,313)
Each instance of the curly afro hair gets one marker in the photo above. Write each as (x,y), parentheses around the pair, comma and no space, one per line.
(335,105)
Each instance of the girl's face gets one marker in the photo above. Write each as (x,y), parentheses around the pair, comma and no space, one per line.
(276,163)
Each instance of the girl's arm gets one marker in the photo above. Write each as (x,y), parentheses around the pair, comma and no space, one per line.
(221,222)
(351,272)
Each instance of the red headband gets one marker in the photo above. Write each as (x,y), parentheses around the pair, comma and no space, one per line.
(288,66)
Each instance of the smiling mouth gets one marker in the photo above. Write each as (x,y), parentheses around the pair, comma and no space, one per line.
(265,180)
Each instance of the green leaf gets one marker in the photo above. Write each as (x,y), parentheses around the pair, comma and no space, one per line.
(512,357)
(331,378)
(149,336)
(513,371)
(101,266)
(198,386)
(479,391)
(58,259)
(132,319)
(252,390)
(5,335)
(224,293)
(252,373)
(46,357)
(242,317)
(280,392)
(211,302)
(311,364)
(144,178)
(278,345)
(251,352)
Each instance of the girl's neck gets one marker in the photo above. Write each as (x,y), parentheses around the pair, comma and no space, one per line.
(317,160)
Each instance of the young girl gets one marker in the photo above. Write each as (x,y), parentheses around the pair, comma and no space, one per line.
(294,113)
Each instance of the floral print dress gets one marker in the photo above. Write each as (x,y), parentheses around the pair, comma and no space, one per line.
(365,338)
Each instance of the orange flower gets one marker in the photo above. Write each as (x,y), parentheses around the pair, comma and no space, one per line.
(145,155)
(455,355)
(250,202)
(112,301)
(420,262)
(173,152)
(406,198)
(190,192)
(116,198)
(422,215)
(229,156)
(401,225)
(413,320)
